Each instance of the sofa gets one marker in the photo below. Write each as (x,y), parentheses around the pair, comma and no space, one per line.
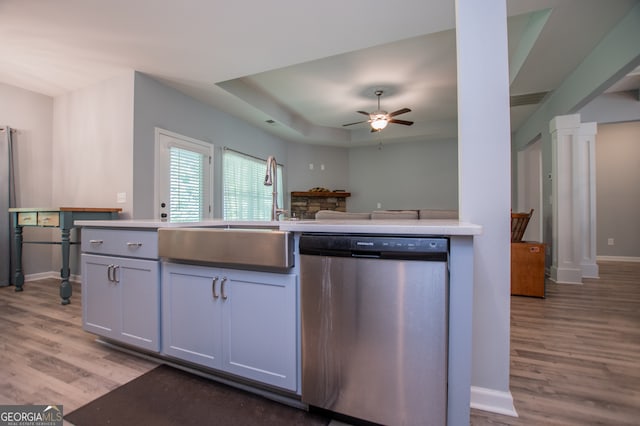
(388,214)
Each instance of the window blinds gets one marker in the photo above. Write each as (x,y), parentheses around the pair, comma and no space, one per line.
(245,197)
(186,185)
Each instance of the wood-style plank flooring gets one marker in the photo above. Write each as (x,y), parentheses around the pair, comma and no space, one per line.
(575,356)
(47,358)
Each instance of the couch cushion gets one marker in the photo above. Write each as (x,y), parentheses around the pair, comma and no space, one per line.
(394,214)
(335,215)
(438,214)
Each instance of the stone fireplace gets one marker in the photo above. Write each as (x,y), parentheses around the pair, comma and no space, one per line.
(305,205)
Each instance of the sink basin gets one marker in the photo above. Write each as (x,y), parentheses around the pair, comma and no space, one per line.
(248,246)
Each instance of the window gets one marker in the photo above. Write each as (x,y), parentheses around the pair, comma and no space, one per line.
(245,197)
(184,174)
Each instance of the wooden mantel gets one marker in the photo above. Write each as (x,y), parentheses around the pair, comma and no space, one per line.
(327,194)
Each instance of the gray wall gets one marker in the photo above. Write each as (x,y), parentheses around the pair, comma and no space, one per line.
(617,172)
(302,178)
(31,114)
(404,176)
(157,105)
(92,143)
(92,139)
(618,189)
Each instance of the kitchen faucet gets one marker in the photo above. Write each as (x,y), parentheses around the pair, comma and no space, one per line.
(271,179)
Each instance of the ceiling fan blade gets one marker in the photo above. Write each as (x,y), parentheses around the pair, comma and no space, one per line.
(357,122)
(400,111)
(405,122)
(363,112)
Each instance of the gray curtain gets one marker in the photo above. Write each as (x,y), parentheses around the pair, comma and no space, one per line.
(7,200)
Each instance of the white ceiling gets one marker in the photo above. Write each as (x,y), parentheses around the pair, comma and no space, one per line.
(307,65)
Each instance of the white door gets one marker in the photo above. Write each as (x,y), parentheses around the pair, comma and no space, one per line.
(184,178)
(530,188)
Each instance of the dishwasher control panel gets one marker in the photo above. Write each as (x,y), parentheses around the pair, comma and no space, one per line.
(379,246)
(399,244)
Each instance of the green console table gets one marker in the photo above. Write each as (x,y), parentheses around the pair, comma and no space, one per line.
(63,218)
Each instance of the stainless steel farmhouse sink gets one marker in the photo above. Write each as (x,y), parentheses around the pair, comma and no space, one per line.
(252,247)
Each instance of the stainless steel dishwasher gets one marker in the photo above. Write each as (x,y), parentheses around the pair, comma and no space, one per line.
(374,326)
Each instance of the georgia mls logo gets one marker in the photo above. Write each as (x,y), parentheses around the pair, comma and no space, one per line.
(31,415)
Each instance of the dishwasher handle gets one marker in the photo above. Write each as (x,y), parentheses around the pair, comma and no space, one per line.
(366,255)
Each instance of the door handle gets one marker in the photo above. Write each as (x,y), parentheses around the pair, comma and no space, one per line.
(224,295)
(213,288)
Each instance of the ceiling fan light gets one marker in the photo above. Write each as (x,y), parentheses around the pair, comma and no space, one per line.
(379,123)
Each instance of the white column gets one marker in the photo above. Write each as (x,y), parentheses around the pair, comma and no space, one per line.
(566,240)
(484,169)
(586,162)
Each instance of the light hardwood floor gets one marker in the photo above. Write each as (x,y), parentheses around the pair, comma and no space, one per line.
(575,356)
(45,355)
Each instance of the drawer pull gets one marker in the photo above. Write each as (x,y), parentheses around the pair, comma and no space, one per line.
(96,241)
(134,245)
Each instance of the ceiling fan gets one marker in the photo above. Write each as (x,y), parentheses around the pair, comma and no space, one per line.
(379,118)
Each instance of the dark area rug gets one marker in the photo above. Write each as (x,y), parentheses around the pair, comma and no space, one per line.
(168,396)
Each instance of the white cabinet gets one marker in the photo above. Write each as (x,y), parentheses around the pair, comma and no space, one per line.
(240,322)
(121,295)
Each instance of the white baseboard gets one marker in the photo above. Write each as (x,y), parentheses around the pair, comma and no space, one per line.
(493,401)
(50,274)
(618,258)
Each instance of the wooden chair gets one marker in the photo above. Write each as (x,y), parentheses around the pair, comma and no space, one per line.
(519,222)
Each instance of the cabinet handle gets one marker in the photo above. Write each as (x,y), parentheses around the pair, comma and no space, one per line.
(134,245)
(213,288)
(95,241)
(110,273)
(115,277)
(224,280)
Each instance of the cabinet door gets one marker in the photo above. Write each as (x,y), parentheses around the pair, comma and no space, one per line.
(140,302)
(100,297)
(260,327)
(191,313)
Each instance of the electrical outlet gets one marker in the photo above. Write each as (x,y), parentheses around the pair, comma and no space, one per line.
(379,205)
(610,241)
(321,166)
(121,197)
(310,166)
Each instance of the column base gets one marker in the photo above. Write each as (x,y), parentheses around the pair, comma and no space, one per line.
(590,270)
(566,275)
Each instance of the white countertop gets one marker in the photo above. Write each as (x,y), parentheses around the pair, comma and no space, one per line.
(402,226)
(155,223)
(408,227)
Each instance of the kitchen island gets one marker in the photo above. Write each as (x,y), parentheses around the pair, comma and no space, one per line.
(461,262)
